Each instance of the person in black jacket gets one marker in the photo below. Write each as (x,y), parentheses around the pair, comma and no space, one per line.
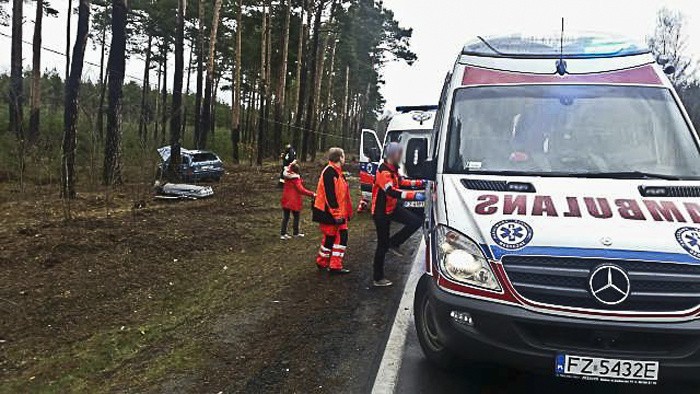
(288,157)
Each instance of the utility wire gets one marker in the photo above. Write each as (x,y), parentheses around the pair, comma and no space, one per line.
(57,52)
(269,120)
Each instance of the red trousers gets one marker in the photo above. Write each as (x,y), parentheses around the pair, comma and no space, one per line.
(333,245)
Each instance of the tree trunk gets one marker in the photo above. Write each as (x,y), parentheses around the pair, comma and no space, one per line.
(145,88)
(164,92)
(68,18)
(325,123)
(236,89)
(263,86)
(302,73)
(206,105)
(103,85)
(214,101)
(267,149)
(309,116)
(346,101)
(112,163)
(280,118)
(35,116)
(187,90)
(16,84)
(70,114)
(200,74)
(176,111)
(155,113)
(318,80)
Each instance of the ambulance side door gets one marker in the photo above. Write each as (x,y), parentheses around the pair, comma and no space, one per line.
(370,155)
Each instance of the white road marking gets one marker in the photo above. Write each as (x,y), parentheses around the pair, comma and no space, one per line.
(388,373)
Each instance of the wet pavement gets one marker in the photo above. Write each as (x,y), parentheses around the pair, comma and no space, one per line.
(416,375)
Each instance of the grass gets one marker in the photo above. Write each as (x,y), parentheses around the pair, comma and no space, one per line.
(162,300)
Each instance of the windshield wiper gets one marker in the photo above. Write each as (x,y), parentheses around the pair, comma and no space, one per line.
(512,173)
(627,175)
(612,175)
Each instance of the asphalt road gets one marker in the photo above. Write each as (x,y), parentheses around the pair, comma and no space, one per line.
(416,375)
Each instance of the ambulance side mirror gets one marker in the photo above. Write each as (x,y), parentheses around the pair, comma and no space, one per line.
(417,164)
(426,170)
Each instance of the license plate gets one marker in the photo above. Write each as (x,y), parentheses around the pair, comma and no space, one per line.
(414,204)
(607,369)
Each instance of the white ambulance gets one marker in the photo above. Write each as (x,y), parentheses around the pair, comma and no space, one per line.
(410,126)
(563,228)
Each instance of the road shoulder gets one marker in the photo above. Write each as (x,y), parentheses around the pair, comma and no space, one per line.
(388,372)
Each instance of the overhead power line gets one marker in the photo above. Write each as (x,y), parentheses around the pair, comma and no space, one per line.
(57,52)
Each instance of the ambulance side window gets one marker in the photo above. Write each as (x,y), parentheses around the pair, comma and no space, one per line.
(439,114)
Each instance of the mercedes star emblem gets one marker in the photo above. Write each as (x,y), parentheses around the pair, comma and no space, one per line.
(609,284)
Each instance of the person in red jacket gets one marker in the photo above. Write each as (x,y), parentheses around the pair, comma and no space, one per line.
(332,210)
(386,208)
(292,195)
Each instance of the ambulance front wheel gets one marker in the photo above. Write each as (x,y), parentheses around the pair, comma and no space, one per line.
(426,327)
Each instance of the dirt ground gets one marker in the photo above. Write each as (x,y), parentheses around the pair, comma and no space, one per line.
(196,296)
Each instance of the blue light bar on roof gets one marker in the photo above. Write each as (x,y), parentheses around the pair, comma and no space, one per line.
(580,46)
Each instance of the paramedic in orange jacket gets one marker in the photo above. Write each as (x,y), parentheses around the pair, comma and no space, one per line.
(386,207)
(333,209)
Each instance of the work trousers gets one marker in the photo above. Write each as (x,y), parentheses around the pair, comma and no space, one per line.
(333,246)
(382,222)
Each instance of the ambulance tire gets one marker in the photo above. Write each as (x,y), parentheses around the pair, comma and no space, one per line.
(424,314)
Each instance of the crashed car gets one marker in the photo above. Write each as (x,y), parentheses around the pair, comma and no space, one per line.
(178,191)
(563,224)
(195,165)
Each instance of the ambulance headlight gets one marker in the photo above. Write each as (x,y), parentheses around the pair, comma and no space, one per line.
(462,260)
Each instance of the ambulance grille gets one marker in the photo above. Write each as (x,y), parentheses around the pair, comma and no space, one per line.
(669,191)
(563,281)
(498,186)
(485,184)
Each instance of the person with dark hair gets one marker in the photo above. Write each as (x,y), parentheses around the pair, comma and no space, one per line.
(292,196)
(386,207)
(332,210)
(288,156)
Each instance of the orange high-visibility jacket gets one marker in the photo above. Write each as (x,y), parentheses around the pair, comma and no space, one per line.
(386,192)
(332,196)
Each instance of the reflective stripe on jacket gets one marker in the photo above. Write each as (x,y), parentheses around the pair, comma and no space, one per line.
(386,190)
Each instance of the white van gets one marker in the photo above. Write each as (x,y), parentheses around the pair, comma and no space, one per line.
(410,126)
(563,228)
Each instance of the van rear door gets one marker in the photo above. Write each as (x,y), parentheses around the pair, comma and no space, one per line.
(370,155)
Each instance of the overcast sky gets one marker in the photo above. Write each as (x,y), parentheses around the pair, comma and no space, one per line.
(440,28)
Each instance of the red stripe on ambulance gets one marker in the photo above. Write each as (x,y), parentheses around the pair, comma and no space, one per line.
(644,75)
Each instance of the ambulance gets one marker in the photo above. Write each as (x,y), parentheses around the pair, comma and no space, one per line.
(410,126)
(563,222)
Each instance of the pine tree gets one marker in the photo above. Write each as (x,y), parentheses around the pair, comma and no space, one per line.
(16,85)
(117,62)
(236,89)
(176,112)
(205,120)
(70,135)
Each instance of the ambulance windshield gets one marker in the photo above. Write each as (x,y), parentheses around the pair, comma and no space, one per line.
(570,129)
